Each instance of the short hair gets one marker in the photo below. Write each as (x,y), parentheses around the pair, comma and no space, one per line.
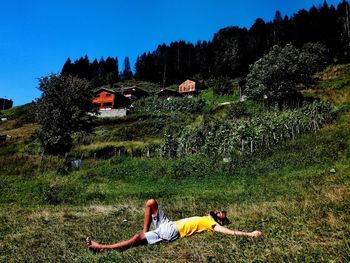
(221,222)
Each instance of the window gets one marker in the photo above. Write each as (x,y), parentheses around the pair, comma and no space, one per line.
(107,104)
(108,94)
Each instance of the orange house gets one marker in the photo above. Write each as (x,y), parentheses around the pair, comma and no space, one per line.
(109,99)
(190,87)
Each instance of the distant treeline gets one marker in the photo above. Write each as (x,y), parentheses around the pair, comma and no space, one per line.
(231,50)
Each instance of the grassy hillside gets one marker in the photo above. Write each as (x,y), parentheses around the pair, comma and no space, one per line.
(297,193)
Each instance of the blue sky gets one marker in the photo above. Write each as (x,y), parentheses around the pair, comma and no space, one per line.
(37,36)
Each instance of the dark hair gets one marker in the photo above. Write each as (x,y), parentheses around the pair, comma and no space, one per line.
(221,222)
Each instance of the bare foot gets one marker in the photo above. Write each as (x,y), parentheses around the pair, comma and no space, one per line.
(93,245)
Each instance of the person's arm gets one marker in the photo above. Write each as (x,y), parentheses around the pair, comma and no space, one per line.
(225,230)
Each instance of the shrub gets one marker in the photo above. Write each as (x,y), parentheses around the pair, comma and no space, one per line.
(154,104)
(246,135)
(62,110)
(223,86)
(238,110)
(58,193)
(275,76)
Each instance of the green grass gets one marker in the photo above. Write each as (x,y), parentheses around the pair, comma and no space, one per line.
(212,99)
(16,111)
(289,193)
(297,193)
(147,86)
(333,85)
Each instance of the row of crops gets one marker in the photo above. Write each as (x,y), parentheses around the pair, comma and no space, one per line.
(156,105)
(246,135)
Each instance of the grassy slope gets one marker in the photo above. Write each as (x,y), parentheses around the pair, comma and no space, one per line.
(290,193)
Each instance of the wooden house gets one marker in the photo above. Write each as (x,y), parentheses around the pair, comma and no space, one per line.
(190,87)
(168,94)
(109,99)
(133,93)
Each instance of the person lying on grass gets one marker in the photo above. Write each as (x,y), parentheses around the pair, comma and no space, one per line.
(166,230)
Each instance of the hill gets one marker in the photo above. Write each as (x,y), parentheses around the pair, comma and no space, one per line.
(296,192)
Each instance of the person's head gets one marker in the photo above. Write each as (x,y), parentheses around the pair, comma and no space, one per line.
(220,217)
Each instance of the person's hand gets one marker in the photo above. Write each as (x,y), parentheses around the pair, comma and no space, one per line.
(256,234)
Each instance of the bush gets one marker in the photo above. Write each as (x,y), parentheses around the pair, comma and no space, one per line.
(223,86)
(156,105)
(275,76)
(238,110)
(58,193)
(225,138)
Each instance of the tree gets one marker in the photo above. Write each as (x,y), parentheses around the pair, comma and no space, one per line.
(230,51)
(62,110)
(223,86)
(312,58)
(127,73)
(67,67)
(275,76)
(112,72)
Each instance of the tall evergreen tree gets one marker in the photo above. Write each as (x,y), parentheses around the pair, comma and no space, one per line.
(126,73)
(67,67)
(111,68)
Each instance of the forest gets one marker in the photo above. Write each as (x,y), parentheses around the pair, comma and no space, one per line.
(229,52)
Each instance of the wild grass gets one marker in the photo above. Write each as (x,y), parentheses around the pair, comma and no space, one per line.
(212,99)
(292,194)
(297,193)
(22,132)
(97,147)
(333,85)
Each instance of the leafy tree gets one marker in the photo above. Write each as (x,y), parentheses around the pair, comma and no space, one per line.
(312,58)
(223,86)
(275,76)
(62,110)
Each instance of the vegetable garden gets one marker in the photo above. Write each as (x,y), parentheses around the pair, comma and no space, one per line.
(246,135)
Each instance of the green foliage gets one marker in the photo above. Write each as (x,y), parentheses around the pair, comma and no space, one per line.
(238,110)
(247,134)
(230,49)
(313,58)
(223,86)
(213,100)
(335,77)
(59,193)
(154,104)
(147,86)
(294,193)
(62,110)
(105,200)
(275,76)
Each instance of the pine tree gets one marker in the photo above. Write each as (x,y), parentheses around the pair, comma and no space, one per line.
(126,73)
